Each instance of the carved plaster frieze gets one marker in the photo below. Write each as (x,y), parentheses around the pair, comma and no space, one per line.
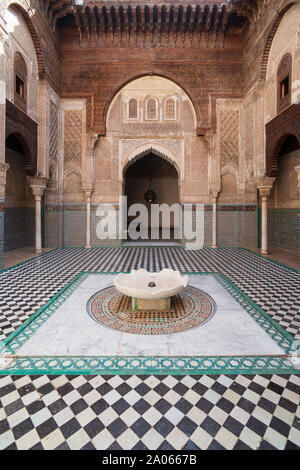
(73,104)
(221,102)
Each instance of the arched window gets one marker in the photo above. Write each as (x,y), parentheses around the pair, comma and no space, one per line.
(284,82)
(170,109)
(20,74)
(132,109)
(151,109)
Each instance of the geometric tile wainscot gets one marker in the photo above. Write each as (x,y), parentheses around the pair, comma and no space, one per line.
(16,359)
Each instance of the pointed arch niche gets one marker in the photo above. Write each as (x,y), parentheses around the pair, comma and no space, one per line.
(152,170)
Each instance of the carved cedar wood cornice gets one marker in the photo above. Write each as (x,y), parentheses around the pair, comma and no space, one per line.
(196,21)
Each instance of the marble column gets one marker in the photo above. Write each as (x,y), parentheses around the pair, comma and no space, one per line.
(214,191)
(38,185)
(297,169)
(264,192)
(214,220)
(88,196)
(3,169)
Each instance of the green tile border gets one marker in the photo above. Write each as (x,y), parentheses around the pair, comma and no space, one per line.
(151,365)
(143,365)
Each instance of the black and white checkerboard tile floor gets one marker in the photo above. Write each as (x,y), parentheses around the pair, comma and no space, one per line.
(149,412)
(27,287)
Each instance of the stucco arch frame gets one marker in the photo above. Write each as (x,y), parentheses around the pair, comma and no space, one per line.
(269,40)
(35,39)
(121,85)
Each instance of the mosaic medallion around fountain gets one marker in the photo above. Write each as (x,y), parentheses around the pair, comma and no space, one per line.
(189,309)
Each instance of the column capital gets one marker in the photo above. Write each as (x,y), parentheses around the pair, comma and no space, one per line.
(88,193)
(38,185)
(214,194)
(264,191)
(214,190)
(3,169)
(264,181)
(264,185)
(91,139)
(210,141)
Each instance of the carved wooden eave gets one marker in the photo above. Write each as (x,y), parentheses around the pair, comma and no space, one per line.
(20,124)
(127,23)
(286,124)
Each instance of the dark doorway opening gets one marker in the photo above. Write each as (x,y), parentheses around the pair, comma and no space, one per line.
(152,175)
(19,201)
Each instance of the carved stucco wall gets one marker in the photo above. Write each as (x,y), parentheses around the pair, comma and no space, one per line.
(39,93)
(229,136)
(73,119)
(286,40)
(173,139)
(19,40)
(259,104)
(249,117)
(252,138)
(285,192)
(230,151)
(228,193)
(240,147)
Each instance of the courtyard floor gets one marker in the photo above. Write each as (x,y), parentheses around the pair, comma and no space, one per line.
(86,399)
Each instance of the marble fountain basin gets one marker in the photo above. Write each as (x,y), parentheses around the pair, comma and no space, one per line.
(151,290)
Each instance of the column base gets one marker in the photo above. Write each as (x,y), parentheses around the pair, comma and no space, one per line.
(214,246)
(263,252)
(38,251)
(87,246)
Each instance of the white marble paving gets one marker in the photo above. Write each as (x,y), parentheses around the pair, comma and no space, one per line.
(71,331)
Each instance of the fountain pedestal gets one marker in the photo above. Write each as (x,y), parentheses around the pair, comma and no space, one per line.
(151,304)
(151,291)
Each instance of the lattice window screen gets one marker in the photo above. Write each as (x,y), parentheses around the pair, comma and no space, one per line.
(151,108)
(170,108)
(132,109)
